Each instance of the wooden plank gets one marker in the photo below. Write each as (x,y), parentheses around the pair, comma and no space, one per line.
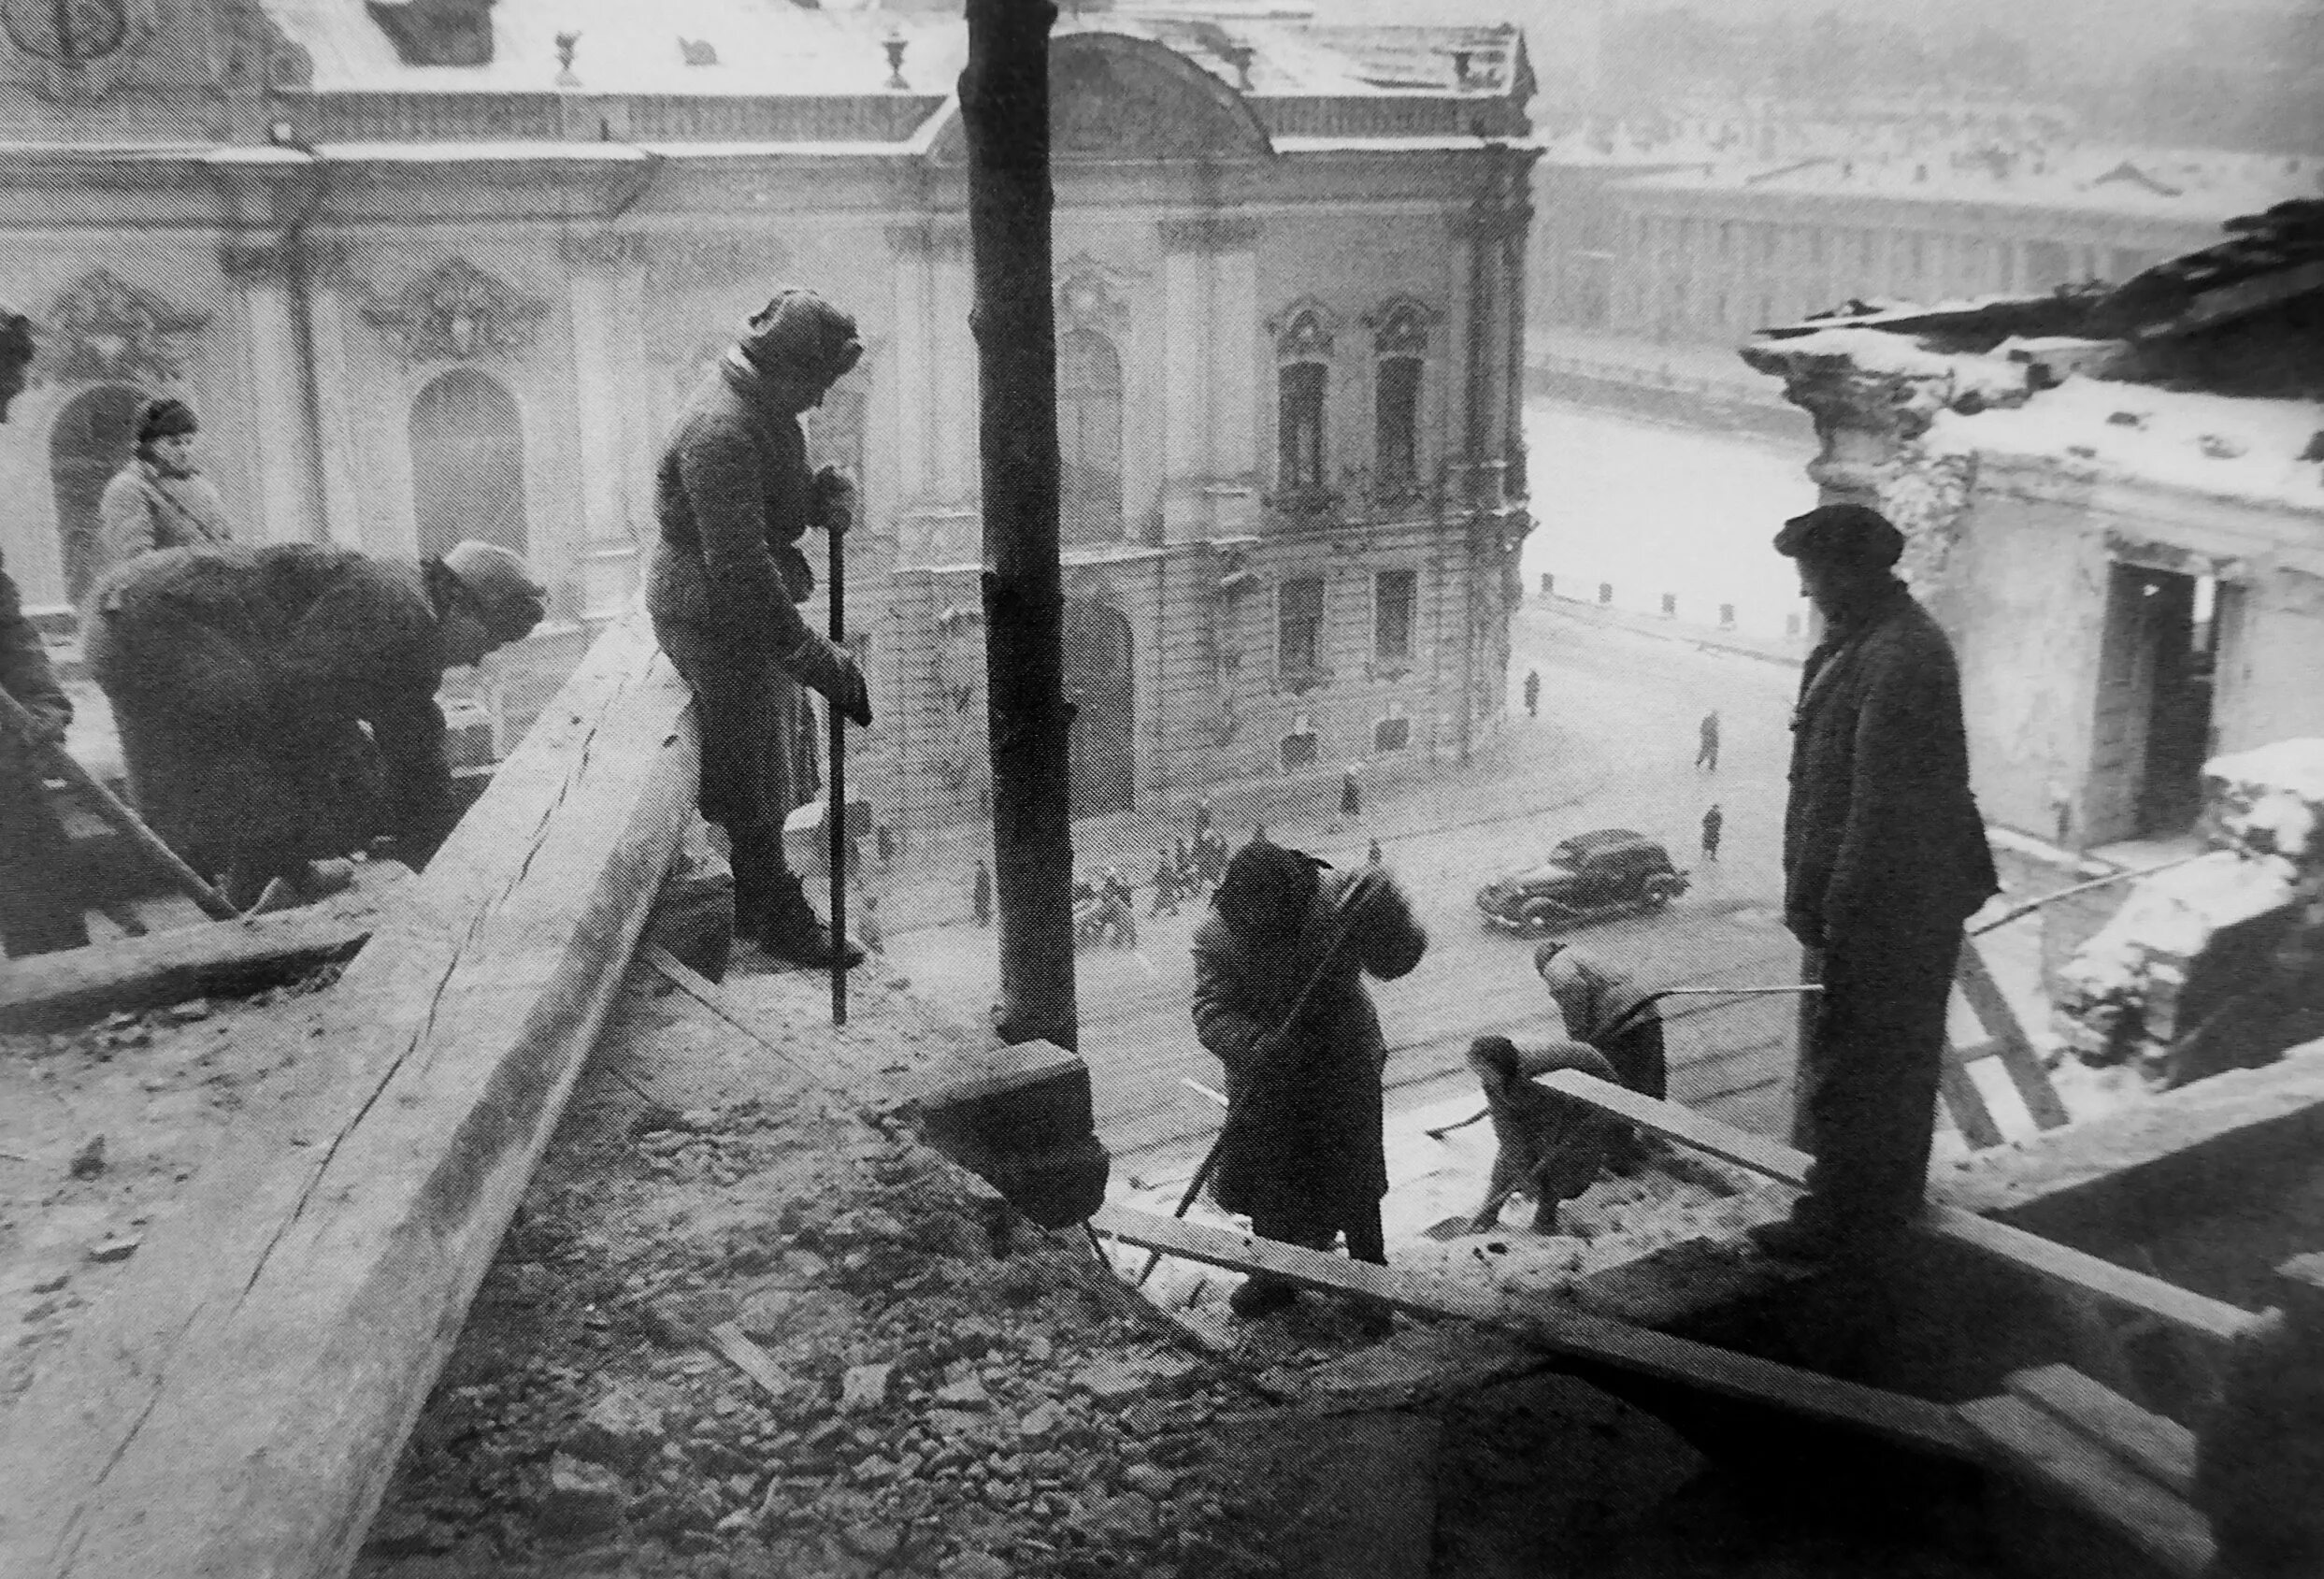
(239,1402)
(1909,1422)
(2155,1446)
(1966,1103)
(2046,1258)
(2062,1468)
(79,986)
(2024,1066)
(752,1360)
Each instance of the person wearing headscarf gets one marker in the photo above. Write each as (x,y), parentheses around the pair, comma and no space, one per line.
(734,496)
(277,705)
(39,912)
(160,499)
(1885,856)
(1602,1008)
(1302,1153)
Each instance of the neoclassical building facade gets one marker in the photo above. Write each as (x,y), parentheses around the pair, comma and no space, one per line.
(447,268)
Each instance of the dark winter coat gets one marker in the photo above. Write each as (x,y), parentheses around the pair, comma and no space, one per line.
(734,496)
(1881,825)
(38,915)
(1304,1113)
(239,675)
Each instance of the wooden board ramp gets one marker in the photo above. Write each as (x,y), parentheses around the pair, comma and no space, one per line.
(2082,1273)
(235,1407)
(1894,1417)
(79,986)
(2077,1446)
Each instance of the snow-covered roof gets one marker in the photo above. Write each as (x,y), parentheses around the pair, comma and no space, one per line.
(758,48)
(2195,187)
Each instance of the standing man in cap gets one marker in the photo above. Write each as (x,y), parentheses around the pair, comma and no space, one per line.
(160,499)
(37,913)
(735,496)
(1885,856)
(243,681)
(1302,1153)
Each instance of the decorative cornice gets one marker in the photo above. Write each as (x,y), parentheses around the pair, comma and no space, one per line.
(689,262)
(1209,233)
(1305,331)
(111,329)
(945,239)
(456,312)
(1093,295)
(606,251)
(1399,327)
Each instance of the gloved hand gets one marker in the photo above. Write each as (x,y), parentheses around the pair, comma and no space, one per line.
(831,501)
(824,666)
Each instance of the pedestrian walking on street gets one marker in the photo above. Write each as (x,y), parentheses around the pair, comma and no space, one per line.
(1713,822)
(1302,1153)
(981,895)
(1372,856)
(1532,693)
(734,496)
(868,928)
(1183,868)
(1350,794)
(1885,855)
(1707,755)
(1165,889)
(1202,818)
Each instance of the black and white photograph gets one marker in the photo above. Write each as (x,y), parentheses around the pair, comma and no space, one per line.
(1161,789)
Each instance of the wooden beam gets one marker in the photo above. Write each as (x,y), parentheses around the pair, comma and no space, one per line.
(1966,1103)
(2156,1445)
(2062,1468)
(77,986)
(2047,1259)
(236,1405)
(1894,1417)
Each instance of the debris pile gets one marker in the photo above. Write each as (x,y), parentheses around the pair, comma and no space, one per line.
(2122,994)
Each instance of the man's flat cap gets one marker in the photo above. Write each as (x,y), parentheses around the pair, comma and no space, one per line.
(1842,535)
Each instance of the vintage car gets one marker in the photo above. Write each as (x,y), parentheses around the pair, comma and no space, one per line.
(1613,871)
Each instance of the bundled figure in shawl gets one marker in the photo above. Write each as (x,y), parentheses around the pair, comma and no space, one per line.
(1302,1153)
(160,499)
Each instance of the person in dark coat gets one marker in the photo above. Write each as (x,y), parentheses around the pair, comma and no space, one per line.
(1302,1153)
(1604,1009)
(38,913)
(1350,794)
(1532,693)
(1713,823)
(981,895)
(1546,1145)
(1885,856)
(734,496)
(1707,752)
(244,679)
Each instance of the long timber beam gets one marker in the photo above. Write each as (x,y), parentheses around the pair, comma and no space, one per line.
(236,1407)
(2077,1270)
(75,986)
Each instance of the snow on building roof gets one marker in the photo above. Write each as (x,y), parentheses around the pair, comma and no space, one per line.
(2225,445)
(2195,187)
(760,48)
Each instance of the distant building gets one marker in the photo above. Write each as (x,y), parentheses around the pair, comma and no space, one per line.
(2115,504)
(442,269)
(1698,232)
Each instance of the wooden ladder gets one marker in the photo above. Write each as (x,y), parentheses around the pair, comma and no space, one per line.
(2005,1039)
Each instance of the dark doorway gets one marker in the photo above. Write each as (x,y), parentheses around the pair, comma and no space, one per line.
(93,438)
(1099,684)
(468,464)
(2153,731)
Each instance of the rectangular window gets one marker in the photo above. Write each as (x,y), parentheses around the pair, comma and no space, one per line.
(1396,596)
(1299,627)
(1392,734)
(1396,436)
(1299,425)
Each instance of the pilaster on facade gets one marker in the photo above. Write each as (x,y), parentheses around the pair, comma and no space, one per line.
(605,272)
(268,276)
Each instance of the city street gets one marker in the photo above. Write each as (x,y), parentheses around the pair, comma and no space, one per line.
(1615,746)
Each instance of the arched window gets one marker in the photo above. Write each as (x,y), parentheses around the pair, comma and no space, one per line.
(92,439)
(1089,437)
(468,464)
(1299,425)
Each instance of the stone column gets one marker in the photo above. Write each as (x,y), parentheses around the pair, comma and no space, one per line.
(955,369)
(337,456)
(263,271)
(600,267)
(1235,375)
(909,250)
(1186,378)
